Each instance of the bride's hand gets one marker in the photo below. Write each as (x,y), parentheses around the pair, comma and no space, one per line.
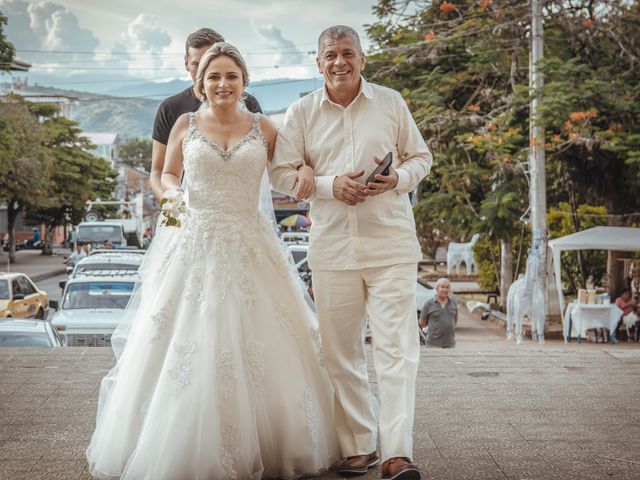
(303,184)
(172,206)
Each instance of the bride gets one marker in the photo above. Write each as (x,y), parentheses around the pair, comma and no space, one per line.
(221,376)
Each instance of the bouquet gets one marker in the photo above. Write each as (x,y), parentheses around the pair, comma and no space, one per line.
(172,206)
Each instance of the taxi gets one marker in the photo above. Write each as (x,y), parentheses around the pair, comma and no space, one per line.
(20,298)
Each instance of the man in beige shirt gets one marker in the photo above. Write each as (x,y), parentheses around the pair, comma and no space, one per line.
(363,247)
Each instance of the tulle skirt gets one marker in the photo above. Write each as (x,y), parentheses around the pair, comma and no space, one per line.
(219,372)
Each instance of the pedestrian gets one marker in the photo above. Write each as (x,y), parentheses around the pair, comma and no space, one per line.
(188,100)
(439,317)
(363,249)
(78,254)
(73,238)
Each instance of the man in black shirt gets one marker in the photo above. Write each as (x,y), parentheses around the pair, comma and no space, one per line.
(171,108)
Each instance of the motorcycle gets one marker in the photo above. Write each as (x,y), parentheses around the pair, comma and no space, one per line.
(27,244)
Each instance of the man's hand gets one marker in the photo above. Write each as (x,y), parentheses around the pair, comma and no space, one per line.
(384,183)
(347,190)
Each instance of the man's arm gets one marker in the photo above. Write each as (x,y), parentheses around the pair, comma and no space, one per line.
(415,157)
(158,152)
(161,130)
(289,152)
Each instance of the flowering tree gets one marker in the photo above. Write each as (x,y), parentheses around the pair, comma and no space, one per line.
(463,68)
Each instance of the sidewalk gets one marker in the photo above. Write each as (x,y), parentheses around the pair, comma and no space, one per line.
(37,266)
(487,409)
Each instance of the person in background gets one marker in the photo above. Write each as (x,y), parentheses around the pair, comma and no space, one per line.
(73,238)
(440,315)
(77,255)
(627,305)
(186,101)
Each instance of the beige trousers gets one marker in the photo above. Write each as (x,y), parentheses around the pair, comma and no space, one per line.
(387,295)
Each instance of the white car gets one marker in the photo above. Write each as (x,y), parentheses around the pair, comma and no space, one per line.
(92,307)
(299,253)
(293,238)
(107,264)
(118,251)
(99,233)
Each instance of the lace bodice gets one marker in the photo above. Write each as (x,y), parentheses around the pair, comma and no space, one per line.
(222,181)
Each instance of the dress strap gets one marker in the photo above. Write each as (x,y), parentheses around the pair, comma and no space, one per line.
(256,120)
(257,130)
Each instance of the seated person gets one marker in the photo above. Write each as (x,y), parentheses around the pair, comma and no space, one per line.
(628,306)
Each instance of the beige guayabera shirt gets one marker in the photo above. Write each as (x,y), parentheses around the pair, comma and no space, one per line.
(335,140)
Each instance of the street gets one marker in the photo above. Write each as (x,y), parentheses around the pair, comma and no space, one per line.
(52,288)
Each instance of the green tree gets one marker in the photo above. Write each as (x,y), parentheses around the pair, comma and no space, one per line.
(137,153)
(76,175)
(6,48)
(26,164)
(463,65)
(458,65)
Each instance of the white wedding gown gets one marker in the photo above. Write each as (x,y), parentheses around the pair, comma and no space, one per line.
(221,376)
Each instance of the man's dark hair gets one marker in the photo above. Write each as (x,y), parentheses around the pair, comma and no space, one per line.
(203,37)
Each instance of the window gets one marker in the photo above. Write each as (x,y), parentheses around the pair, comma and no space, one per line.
(4,290)
(15,287)
(26,286)
(98,295)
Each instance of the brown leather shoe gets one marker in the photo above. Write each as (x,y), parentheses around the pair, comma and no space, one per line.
(400,468)
(355,465)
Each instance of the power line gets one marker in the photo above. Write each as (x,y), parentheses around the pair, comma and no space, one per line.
(274,50)
(152,69)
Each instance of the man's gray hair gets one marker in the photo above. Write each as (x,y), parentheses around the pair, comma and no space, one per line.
(442,280)
(336,33)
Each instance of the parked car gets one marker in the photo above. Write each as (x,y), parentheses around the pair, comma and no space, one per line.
(99,234)
(107,264)
(20,298)
(111,251)
(291,238)
(92,307)
(28,333)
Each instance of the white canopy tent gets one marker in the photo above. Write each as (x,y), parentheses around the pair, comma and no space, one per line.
(625,239)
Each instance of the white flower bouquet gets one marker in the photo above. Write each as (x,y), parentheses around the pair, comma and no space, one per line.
(172,207)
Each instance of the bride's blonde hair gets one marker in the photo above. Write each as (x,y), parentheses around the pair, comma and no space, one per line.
(220,49)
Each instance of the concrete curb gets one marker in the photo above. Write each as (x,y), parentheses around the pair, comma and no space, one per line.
(46,275)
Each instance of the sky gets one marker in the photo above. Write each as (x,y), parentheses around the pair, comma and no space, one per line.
(112,39)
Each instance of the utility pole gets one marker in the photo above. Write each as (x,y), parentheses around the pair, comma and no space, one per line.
(538,187)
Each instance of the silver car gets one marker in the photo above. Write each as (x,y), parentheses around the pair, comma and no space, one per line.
(28,333)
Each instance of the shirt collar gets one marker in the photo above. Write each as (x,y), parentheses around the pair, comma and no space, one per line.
(365,90)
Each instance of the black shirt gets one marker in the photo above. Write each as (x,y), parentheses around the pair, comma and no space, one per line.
(171,108)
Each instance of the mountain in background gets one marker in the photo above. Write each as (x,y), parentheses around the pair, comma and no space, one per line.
(130,110)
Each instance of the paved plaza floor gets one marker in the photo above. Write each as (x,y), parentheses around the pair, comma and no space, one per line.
(487,409)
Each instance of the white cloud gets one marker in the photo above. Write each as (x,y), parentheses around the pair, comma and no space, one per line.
(279,57)
(45,26)
(146,40)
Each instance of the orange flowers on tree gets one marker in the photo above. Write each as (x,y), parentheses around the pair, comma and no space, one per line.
(447,7)
(578,116)
(429,36)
